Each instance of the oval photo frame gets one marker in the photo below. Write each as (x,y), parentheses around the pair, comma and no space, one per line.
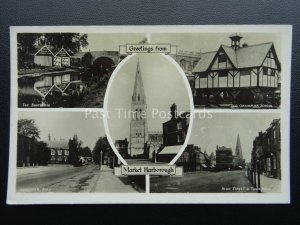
(109,90)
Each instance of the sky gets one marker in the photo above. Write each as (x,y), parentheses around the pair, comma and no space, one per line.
(222,130)
(206,42)
(163,86)
(196,42)
(112,41)
(63,125)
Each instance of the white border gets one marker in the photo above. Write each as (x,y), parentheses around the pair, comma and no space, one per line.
(88,198)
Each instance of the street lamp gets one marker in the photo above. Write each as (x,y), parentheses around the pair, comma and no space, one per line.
(100,159)
(154,150)
(258,176)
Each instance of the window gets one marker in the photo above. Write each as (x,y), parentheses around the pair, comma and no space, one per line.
(59,152)
(195,63)
(274,162)
(179,139)
(265,71)
(245,72)
(52,152)
(66,152)
(60,159)
(179,125)
(270,55)
(223,73)
(183,64)
(222,57)
(272,72)
(57,79)
(203,75)
(66,78)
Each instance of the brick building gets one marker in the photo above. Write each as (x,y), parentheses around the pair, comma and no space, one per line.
(266,152)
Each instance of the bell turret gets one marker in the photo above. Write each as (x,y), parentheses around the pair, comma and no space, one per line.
(235,40)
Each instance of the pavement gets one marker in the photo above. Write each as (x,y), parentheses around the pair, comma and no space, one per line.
(71,179)
(270,185)
(107,182)
(203,182)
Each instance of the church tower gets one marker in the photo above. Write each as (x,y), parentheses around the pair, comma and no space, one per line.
(238,148)
(138,122)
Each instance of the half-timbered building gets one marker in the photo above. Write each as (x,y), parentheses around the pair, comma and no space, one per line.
(44,57)
(62,58)
(242,75)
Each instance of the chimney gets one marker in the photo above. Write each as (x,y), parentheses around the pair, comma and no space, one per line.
(49,137)
(173,109)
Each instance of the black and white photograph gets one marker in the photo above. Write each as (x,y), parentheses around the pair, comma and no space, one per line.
(148,106)
(230,70)
(67,70)
(229,153)
(175,113)
(61,152)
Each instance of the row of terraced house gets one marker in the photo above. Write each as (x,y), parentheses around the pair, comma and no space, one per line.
(266,152)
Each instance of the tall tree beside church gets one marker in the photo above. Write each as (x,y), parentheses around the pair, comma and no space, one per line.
(28,128)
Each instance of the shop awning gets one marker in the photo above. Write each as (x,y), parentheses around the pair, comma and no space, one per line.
(170,150)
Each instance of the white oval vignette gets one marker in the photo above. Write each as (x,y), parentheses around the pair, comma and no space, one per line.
(108,91)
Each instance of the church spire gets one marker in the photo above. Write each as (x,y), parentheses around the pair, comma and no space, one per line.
(238,148)
(138,95)
(138,123)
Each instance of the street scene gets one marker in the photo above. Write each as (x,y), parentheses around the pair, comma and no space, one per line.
(61,156)
(205,181)
(73,179)
(230,153)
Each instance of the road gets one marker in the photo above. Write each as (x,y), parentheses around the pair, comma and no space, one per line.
(203,182)
(71,179)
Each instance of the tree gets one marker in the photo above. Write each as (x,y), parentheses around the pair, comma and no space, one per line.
(72,42)
(86,152)
(74,148)
(87,60)
(43,154)
(102,144)
(28,128)
(26,43)
(29,43)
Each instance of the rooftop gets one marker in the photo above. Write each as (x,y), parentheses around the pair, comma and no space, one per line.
(243,57)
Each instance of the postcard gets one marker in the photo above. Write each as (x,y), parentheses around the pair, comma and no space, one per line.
(150,114)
